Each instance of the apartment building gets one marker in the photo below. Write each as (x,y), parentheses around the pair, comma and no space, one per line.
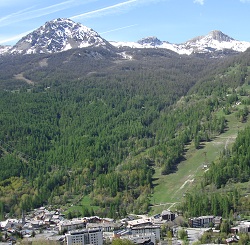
(84,237)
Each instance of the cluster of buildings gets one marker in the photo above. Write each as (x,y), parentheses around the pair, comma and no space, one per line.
(94,230)
(52,225)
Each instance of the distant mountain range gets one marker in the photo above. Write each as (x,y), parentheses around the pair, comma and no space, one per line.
(63,34)
(213,41)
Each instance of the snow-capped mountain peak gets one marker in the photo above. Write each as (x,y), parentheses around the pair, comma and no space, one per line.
(58,35)
(151,41)
(212,36)
(214,41)
(63,34)
(219,36)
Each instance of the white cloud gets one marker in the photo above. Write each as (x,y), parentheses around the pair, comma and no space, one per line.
(201,2)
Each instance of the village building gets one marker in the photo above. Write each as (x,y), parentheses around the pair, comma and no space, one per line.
(105,226)
(9,223)
(139,222)
(217,221)
(142,239)
(147,230)
(140,235)
(204,221)
(167,215)
(242,227)
(108,220)
(231,240)
(69,225)
(85,236)
(137,237)
(93,219)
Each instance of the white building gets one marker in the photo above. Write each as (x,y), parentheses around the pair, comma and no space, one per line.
(139,222)
(106,227)
(142,239)
(148,238)
(84,237)
(143,231)
(140,235)
(202,221)
(69,225)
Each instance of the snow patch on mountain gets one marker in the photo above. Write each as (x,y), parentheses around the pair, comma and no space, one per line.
(126,56)
(64,34)
(214,41)
(58,35)
(150,41)
(4,49)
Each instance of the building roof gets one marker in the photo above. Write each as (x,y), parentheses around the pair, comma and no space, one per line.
(71,222)
(166,212)
(139,222)
(146,227)
(75,232)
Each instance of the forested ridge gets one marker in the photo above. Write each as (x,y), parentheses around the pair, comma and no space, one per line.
(96,125)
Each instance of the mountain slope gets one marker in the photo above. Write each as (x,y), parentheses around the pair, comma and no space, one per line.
(99,127)
(56,36)
(4,49)
(89,128)
(214,41)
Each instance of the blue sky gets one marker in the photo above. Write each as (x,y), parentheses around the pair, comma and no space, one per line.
(175,21)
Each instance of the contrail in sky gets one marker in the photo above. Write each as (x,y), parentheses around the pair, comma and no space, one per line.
(104,11)
(10,16)
(113,9)
(32,13)
(28,14)
(117,29)
(17,37)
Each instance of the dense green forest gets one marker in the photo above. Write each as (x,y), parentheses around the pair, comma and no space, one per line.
(92,124)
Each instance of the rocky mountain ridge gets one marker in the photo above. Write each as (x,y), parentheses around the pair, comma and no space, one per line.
(56,36)
(63,34)
(4,49)
(212,42)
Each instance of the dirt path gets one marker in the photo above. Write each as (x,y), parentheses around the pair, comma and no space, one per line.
(171,204)
(21,77)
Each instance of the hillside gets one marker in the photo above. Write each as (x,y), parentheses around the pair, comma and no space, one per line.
(171,191)
(93,124)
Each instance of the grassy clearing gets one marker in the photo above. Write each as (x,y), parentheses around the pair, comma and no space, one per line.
(170,189)
(85,202)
